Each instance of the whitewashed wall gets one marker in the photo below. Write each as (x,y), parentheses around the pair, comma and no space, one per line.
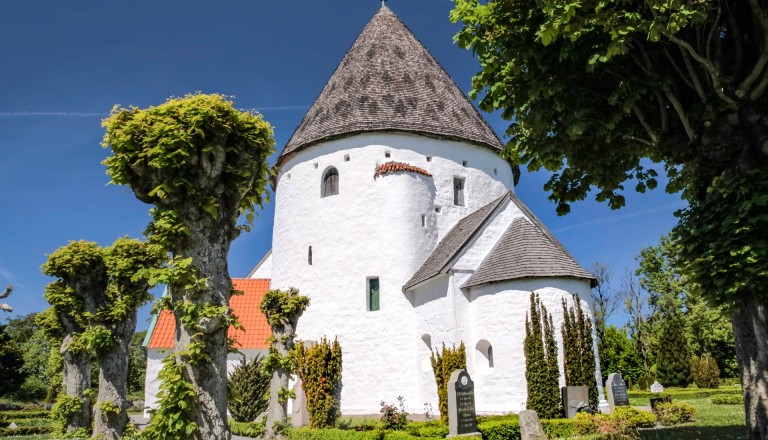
(372,228)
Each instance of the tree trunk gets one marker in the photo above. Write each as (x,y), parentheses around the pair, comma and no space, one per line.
(77,379)
(277,414)
(750,330)
(209,377)
(111,416)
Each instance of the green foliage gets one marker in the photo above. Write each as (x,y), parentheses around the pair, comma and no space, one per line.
(579,357)
(394,417)
(281,306)
(672,355)
(709,331)
(723,247)
(674,413)
(15,416)
(444,363)
(249,389)
(627,416)
(705,372)
(11,364)
(319,368)
(335,434)
(191,157)
(429,429)
(558,428)
(584,424)
(500,429)
(542,374)
(26,430)
(619,355)
(171,420)
(65,408)
(246,429)
(137,363)
(728,399)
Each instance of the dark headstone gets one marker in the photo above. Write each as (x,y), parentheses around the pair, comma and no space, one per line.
(530,426)
(617,391)
(462,419)
(574,399)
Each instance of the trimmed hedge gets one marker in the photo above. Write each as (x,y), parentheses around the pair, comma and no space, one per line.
(340,434)
(500,429)
(246,429)
(728,399)
(559,428)
(676,413)
(685,393)
(18,415)
(27,430)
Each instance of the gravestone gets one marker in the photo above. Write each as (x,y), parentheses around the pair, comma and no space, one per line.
(617,391)
(299,412)
(574,397)
(12,425)
(530,426)
(657,387)
(462,420)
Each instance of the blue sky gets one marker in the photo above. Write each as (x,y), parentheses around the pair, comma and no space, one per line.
(63,65)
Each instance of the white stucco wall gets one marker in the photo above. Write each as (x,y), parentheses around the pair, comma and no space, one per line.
(264,269)
(373,228)
(155,364)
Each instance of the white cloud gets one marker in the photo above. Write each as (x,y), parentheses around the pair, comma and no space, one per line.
(616,218)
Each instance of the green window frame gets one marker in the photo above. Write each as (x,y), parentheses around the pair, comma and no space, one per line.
(373,294)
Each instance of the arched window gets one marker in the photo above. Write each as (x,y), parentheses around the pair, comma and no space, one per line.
(330,183)
(483,354)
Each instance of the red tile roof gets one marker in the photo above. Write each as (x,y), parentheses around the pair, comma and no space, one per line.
(394,167)
(246,306)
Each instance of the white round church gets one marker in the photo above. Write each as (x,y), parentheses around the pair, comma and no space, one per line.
(396,215)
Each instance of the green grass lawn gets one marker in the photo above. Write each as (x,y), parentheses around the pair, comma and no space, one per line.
(722,422)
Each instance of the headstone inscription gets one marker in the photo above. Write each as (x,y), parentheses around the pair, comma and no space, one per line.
(530,426)
(617,391)
(657,387)
(299,412)
(574,398)
(462,420)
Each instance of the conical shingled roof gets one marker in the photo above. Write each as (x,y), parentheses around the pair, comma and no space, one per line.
(388,81)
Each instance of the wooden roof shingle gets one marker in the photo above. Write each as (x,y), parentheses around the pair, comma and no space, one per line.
(388,81)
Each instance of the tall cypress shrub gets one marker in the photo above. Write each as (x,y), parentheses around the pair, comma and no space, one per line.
(673,356)
(443,364)
(541,368)
(249,385)
(319,368)
(579,356)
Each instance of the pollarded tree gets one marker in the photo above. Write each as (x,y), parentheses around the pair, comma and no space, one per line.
(283,308)
(112,329)
(594,88)
(202,164)
(82,279)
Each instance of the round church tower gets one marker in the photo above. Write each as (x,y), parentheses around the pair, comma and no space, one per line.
(387,160)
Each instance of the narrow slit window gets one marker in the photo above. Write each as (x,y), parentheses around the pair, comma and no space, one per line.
(330,182)
(423,220)
(458,191)
(465,163)
(346,158)
(437,209)
(495,172)
(373,294)
(429,158)
(309,255)
(387,154)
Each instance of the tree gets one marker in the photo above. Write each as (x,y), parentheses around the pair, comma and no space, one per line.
(82,279)
(620,356)
(709,332)
(283,308)
(594,89)
(6,307)
(202,164)
(604,302)
(444,363)
(137,363)
(36,349)
(249,383)
(112,329)
(542,374)
(673,358)
(11,363)
(640,329)
(579,363)
(319,367)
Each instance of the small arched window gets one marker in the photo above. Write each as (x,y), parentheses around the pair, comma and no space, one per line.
(330,183)
(484,354)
